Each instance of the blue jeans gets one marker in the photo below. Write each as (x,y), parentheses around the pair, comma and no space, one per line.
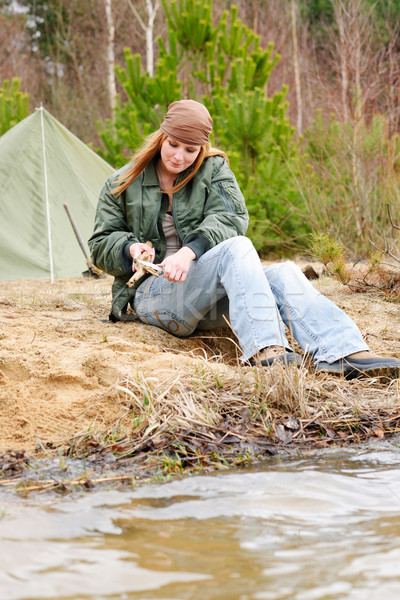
(258,301)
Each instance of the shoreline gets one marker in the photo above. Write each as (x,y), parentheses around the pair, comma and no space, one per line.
(75,387)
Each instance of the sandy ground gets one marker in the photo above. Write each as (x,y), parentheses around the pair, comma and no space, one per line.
(60,363)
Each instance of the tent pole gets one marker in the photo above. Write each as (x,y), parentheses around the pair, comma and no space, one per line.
(46,193)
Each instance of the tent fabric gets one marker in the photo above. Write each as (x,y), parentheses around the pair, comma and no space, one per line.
(28,229)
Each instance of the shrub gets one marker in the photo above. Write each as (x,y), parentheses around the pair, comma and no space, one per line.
(14,104)
(225,67)
(350,172)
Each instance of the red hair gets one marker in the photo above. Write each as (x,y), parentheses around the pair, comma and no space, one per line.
(149,150)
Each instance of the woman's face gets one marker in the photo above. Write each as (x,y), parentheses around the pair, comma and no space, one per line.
(176,157)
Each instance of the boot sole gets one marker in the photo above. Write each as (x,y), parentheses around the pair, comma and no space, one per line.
(380,371)
(354,370)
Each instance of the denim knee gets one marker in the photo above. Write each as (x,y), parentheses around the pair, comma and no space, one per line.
(167,320)
(240,241)
(286,272)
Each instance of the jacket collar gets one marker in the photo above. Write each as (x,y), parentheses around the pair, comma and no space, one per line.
(150,175)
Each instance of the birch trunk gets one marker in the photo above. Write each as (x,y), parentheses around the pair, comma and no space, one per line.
(151,15)
(343,62)
(112,89)
(296,67)
(148,28)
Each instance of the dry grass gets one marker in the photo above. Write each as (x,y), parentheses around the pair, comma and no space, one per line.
(234,408)
(210,415)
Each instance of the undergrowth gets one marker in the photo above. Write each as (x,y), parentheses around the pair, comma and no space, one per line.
(373,275)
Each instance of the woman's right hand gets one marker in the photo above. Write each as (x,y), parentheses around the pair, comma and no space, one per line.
(137,249)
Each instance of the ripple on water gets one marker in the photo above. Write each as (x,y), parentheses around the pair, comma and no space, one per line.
(307,529)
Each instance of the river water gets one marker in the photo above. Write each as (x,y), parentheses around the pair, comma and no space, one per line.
(319,528)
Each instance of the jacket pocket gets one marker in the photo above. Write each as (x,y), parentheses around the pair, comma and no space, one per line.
(232,197)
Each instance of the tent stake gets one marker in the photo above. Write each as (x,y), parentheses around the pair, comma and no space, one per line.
(93,270)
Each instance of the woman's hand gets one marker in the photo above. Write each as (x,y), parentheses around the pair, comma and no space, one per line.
(137,249)
(176,266)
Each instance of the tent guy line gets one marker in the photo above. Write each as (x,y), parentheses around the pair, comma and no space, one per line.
(46,194)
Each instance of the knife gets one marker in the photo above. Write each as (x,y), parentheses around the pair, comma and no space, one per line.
(150,267)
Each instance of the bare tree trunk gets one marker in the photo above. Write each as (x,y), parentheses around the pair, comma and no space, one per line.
(255,16)
(358,181)
(343,61)
(393,101)
(357,68)
(151,15)
(296,67)
(112,89)
(148,28)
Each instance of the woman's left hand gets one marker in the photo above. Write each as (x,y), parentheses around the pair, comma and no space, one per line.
(176,266)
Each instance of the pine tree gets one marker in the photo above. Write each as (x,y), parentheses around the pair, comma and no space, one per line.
(224,66)
(14,104)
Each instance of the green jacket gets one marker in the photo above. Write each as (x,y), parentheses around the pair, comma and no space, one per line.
(208,210)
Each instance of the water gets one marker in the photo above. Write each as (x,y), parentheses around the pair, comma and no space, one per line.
(299,529)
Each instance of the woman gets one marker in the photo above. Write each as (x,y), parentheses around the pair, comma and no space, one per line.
(179,194)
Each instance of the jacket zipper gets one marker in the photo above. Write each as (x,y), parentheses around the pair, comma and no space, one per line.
(224,197)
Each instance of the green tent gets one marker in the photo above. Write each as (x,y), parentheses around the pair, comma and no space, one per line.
(43,166)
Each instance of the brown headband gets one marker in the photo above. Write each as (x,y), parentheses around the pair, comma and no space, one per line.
(188,122)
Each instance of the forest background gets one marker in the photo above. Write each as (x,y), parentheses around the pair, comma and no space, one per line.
(305,96)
